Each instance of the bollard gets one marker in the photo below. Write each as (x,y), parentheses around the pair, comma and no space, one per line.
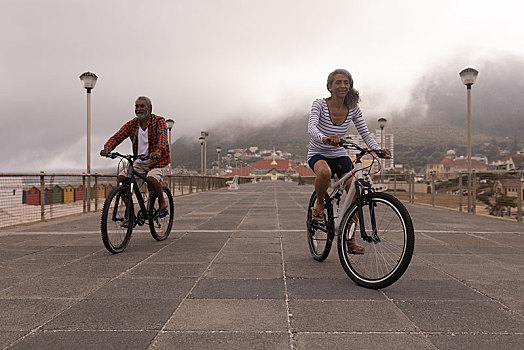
(395,185)
(96,192)
(519,199)
(460,193)
(433,192)
(84,196)
(474,193)
(42,197)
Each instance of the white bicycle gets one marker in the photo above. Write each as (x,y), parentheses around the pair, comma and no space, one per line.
(378,222)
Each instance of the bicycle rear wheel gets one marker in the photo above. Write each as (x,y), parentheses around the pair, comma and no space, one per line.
(161,227)
(388,255)
(319,235)
(116,223)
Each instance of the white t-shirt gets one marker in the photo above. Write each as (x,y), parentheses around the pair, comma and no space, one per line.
(143,144)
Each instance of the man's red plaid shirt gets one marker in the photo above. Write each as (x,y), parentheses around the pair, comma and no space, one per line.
(156,138)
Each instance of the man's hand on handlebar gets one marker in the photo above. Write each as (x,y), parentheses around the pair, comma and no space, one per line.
(104,153)
(154,155)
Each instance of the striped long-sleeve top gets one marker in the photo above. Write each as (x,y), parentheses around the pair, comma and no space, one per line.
(320,125)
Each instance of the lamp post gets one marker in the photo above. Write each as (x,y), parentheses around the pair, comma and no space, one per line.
(468,76)
(219,149)
(204,135)
(88,80)
(170,123)
(201,140)
(382,123)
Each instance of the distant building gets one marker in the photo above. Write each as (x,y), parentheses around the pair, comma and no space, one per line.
(387,142)
(445,168)
(511,162)
(273,168)
(508,187)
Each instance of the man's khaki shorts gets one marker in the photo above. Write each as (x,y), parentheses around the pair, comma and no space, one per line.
(143,168)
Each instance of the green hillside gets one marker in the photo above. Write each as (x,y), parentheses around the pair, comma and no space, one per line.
(415,144)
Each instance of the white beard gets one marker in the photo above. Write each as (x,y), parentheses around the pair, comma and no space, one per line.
(141,116)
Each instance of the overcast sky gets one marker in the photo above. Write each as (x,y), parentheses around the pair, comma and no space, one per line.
(206,61)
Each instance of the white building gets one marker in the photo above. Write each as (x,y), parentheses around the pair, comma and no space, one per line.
(386,142)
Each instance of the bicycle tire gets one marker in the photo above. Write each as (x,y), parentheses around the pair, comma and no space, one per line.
(161,227)
(387,257)
(319,241)
(115,212)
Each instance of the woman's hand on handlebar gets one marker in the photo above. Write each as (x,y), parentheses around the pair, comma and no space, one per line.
(384,153)
(333,140)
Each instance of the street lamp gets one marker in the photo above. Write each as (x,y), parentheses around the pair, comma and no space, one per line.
(219,149)
(204,135)
(201,139)
(88,80)
(170,123)
(468,76)
(382,123)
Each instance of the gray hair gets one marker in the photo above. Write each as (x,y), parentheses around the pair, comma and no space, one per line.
(352,97)
(148,101)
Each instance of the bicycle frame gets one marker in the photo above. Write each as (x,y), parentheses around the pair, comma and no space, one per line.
(338,191)
(132,183)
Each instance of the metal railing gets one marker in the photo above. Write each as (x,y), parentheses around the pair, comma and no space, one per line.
(31,197)
(450,191)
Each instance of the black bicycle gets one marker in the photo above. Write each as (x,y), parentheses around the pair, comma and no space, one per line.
(118,215)
(374,220)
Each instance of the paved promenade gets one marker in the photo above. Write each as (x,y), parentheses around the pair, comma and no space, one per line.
(236,274)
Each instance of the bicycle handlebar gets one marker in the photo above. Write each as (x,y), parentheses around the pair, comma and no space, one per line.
(347,145)
(114,155)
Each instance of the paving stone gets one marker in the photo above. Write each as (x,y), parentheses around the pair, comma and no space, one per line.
(238,289)
(94,270)
(410,289)
(222,341)
(27,314)
(329,289)
(115,314)
(477,341)
(245,271)
(88,340)
(145,288)
(182,257)
(347,316)
(54,287)
(461,316)
(7,337)
(242,258)
(359,340)
(230,315)
(167,270)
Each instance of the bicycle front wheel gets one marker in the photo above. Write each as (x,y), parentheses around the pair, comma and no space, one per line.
(116,223)
(160,225)
(387,255)
(319,234)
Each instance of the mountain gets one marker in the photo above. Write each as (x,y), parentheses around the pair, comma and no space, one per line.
(416,142)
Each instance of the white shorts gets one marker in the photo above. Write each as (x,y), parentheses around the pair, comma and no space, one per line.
(143,169)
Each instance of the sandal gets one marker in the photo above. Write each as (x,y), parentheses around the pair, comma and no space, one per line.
(356,248)
(317,215)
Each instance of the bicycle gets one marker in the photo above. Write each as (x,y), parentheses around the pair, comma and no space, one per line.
(118,214)
(379,221)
